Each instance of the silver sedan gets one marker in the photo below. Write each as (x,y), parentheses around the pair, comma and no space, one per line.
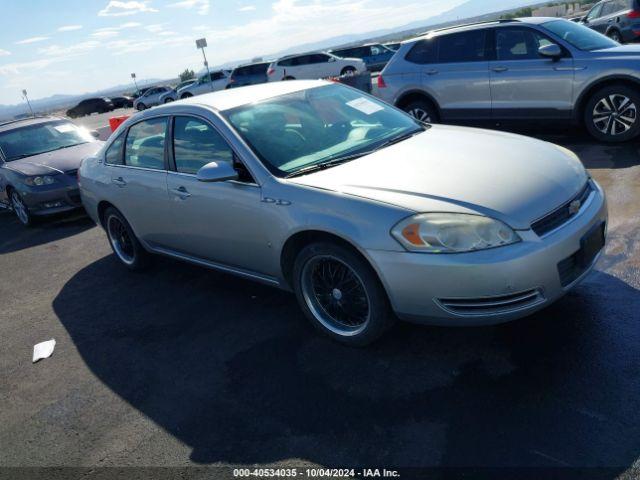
(362,211)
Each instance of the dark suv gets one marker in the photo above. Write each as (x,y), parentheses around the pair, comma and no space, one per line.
(250,74)
(89,106)
(617,19)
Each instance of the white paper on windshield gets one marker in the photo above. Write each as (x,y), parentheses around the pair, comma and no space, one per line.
(64,128)
(364,105)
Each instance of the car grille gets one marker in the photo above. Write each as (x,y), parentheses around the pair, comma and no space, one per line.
(492,305)
(562,214)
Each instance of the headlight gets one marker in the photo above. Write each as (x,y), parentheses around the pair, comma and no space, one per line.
(39,180)
(452,233)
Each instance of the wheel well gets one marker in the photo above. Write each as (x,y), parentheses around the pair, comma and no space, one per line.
(102,207)
(407,98)
(586,95)
(298,241)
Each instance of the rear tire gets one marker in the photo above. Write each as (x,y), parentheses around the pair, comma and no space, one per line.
(341,294)
(186,95)
(288,77)
(168,100)
(348,71)
(124,243)
(422,110)
(611,114)
(614,35)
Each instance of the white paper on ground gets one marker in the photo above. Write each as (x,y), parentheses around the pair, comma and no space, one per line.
(43,350)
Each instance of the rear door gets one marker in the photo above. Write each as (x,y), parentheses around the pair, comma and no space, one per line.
(139,179)
(459,78)
(525,84)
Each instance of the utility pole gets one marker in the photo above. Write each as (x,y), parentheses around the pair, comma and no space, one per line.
(201,43)
(24,94)
(133,75)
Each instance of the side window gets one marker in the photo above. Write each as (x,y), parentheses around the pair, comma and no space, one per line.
(196,143)
(462,47)
(519,44)
(285,63)
(302,60)
(319,58)
(375,50)
(113,155)
(217,76)
(423,52)
(594,13)
(145,144)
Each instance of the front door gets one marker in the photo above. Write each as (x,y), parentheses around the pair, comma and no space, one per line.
(525,84)
(222,222)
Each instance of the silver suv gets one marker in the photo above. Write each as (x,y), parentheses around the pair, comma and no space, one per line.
(533,69)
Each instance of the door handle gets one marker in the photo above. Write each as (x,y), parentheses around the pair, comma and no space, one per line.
(119,181)
(181,192)
(432,72)
(499,69)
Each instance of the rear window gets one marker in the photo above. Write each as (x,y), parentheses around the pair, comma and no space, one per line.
(462,47)
(258,69)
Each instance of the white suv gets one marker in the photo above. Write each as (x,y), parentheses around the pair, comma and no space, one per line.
(213,82)
(311,66)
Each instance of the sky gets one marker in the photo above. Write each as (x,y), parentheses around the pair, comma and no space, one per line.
(77,46)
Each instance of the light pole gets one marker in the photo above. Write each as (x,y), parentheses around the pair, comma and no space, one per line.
(24,94)
(133,75)
(201,43)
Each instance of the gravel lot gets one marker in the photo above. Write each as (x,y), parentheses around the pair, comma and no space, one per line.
(183,366)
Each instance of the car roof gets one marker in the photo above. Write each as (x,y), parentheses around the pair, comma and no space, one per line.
(479,25)
(236,97)
(25,122)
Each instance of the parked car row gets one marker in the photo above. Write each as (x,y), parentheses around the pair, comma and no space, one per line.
(617,19)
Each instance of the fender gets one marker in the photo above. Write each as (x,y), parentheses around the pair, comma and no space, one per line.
(591,86)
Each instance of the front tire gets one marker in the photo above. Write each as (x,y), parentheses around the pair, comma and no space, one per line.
(611,114)
(341,294)
(186,95)
(348,71)
(124,243)
(168,100)
(21,209)
(141,107)
(422,110)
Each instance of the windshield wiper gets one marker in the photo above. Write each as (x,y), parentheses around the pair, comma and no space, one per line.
(332,162)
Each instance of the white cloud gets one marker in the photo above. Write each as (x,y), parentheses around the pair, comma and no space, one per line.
(32,40)
(116,8)
(18,68)
(105,33)
(4,53)
(201,6)
(247,8)
(69,51)
(70,28)
(130,25)
(155,28)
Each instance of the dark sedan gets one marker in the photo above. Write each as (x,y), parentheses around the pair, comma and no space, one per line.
(89,106)
(39,160)
(122,102)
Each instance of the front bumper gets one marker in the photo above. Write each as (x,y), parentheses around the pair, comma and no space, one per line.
(58,197)
(501,284)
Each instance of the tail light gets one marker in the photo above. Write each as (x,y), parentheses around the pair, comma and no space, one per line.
(271,71)
(381,82)
(633,14)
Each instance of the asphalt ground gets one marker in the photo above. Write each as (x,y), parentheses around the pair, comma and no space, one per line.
(181,366)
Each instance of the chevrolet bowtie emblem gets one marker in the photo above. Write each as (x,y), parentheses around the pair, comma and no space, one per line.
(574,207)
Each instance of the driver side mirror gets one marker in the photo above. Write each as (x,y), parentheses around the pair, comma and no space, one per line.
(95,134)
(552,51)
(217,172)
(332,59)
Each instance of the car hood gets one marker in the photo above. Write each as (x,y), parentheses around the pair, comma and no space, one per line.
(621,50)
(453,169)
(55,162)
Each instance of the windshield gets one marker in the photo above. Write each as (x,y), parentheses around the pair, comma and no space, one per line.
(295,131)
(579,36)
(41,138)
